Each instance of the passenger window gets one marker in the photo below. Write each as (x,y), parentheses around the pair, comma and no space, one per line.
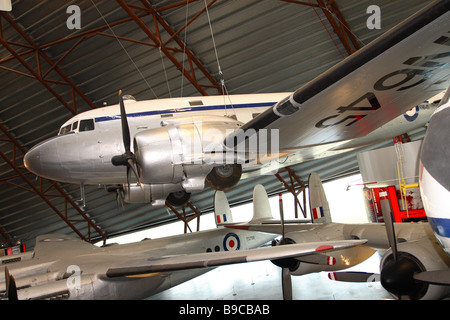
(86,125)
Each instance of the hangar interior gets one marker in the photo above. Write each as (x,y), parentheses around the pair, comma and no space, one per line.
(52,70)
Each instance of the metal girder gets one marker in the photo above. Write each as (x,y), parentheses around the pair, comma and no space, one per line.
(337,21)
(38,74)
(340,26)
(156,38)
(43,193)
(183,217)
(291,188)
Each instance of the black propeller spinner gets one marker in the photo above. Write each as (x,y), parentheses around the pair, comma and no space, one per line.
(398,271)
(126,159)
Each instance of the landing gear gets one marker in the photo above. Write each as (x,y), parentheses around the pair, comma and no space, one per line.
(224,177)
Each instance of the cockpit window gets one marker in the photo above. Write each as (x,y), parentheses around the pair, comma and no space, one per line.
(65,129)
(74,126)
(86,125)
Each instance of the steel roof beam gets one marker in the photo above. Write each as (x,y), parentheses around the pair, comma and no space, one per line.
(37,74)
(42,194)
(340,25)
(156,38)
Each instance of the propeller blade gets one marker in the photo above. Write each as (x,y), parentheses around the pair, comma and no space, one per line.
(439,277)
(11,289)
(125,127)
(389,225)
(131,166)
(286,282)
(354,276)
(281,215)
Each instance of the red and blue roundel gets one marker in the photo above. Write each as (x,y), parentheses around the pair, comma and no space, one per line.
(231,242)
(412,114)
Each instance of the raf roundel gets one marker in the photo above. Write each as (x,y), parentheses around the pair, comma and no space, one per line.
(412,114)
(231,242)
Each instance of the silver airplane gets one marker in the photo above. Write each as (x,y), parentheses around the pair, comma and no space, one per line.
(63,267)
(165,149)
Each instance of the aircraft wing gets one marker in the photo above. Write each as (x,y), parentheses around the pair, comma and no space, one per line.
(51,245)
(214,259)
(373,233)
(402,68)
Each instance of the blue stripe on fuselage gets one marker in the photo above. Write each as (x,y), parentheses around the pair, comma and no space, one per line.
(441,226)
(187,109)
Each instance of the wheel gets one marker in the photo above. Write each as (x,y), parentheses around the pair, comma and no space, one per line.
(178,198)
(224,177)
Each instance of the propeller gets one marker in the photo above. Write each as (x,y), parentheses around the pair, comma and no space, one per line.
(397,273)
(118,191)
(11,289)
(126,159)
(286,264)
(402,274)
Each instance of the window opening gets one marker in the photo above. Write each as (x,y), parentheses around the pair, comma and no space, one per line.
(87,125)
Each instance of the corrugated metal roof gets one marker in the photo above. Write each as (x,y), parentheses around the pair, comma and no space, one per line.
(262,46)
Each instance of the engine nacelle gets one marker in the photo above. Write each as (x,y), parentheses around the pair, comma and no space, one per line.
(183,153)
(426,255)
(155,194)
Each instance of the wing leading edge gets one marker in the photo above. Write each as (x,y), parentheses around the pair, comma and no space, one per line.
(382,80)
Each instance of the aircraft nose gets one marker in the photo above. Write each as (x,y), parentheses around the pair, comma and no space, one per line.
(32,160)
(43,160)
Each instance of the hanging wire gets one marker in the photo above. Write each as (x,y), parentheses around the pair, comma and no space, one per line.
(222,79)
(184,47)
(165,72)
(331,37)
(129,56)
(343,24)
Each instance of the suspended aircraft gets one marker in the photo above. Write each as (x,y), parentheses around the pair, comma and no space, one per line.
(174,146)
(63,267)
(416,264)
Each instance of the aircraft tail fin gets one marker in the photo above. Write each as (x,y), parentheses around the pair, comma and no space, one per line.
(318,204)
(222,211)
(261,205)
